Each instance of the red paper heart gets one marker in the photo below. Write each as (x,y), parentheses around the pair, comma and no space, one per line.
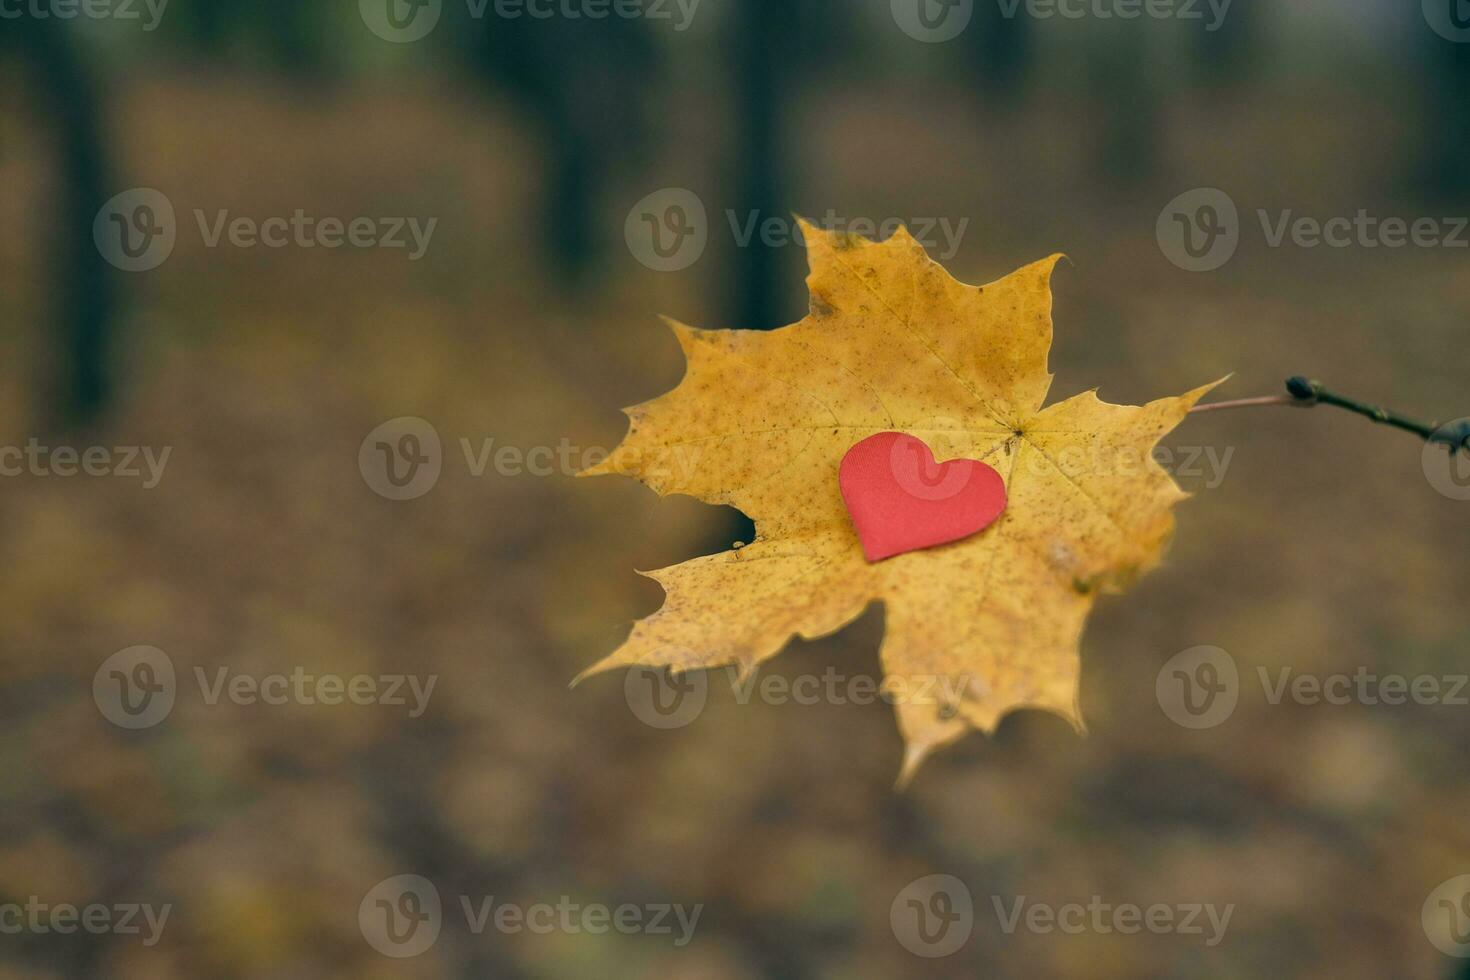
(901,500)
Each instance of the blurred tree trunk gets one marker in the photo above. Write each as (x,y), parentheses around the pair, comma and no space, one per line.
(758,180)
(1003,51)
(571,201)
(80,385)
(1128,141)
(760,89)
(582,84)
(290,36)
(206,27)
(1445,149)
(1227,55)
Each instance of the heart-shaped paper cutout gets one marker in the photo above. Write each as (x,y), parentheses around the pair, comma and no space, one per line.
(901,500)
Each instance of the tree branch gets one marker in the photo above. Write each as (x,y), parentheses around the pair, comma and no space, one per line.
(1302,393)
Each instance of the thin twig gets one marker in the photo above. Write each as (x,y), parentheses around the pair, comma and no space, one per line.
(1248,402)
(1303,393)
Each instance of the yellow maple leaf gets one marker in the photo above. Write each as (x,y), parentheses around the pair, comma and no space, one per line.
(762,420)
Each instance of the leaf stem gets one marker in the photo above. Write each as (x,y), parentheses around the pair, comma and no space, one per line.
(1248,402)
(1304,393)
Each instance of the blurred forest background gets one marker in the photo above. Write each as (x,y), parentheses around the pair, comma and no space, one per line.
(528,320)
